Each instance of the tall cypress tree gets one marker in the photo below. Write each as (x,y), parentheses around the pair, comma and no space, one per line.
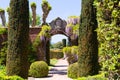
(88,44)
(64,42)
(18,35)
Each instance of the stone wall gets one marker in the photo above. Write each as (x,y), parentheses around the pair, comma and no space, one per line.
(33,32)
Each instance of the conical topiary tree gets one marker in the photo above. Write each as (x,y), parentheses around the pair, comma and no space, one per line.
(2,15)
(18,38)
(46,9)
(33,7)
(88,44)
(64,42)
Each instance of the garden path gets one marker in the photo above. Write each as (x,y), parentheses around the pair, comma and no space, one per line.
(58,72)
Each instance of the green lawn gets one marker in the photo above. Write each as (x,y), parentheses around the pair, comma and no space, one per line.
(52,62)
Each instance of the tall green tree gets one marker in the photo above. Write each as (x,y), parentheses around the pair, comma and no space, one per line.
(64,42)
(88,44)
(18,38)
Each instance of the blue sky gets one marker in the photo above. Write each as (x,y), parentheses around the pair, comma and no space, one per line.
(60,8)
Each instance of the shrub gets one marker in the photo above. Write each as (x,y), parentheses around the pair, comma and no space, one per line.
(32,56)
(73,70)
(4,77)
(10,78)
(74,56)
(74,49)
(67,51)
(71,54)
(3,53)
(72,59)
(3,30)
(95,77)
(2,71)
(39,69)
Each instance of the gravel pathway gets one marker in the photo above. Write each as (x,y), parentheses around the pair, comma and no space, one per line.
(58,72)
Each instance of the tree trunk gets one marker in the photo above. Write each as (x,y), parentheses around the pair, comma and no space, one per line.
(48,52)
(74,42)
(18,38)
(33,16)
(88,44)
(3,18)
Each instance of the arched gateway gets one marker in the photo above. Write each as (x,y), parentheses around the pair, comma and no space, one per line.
(58,26)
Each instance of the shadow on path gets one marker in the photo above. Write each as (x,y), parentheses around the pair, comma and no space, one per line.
(60,68)
(57,72)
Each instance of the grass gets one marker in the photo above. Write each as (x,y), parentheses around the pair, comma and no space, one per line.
(52,62)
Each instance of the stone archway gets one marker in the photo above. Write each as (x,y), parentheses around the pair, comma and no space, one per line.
(58,26)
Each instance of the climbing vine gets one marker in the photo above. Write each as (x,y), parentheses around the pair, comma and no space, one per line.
(108,17)
(42,36)
(72,28)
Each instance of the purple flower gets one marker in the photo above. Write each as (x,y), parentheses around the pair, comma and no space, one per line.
(74,20)
(69,30)
(42,38)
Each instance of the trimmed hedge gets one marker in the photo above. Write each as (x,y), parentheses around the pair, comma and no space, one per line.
(56,54)
(39,69)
